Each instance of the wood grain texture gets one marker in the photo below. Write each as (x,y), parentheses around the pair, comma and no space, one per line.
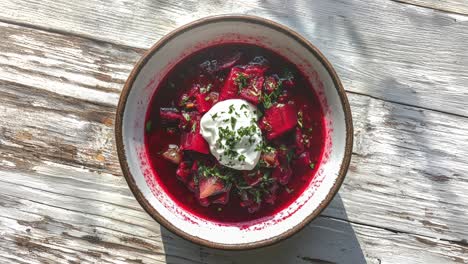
(382,48)
(421,199)
(454,6)
(61,214)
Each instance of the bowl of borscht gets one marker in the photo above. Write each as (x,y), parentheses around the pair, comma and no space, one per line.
(234,132)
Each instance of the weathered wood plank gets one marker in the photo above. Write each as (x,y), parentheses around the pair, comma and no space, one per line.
(386,49)
(408,162)
(62,214)
(454,6)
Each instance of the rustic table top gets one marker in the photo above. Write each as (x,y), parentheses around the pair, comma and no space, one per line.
(404,64)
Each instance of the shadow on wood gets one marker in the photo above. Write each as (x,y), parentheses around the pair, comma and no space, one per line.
(324,241)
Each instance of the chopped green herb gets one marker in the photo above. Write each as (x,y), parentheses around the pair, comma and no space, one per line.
(269,99)
(205,89)
(231,109)
(233,122)
(241,158)
(258,196)
(214,116)
(186,116)
(263,147)
(241,81)
(312,165)
(244,106)
(148,126)
(299,118)
(290,155)
(194,127)
(184,100)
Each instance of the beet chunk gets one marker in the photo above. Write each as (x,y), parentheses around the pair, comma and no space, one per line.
(278,120)
(195,142)
(246,83)
(230,88)
(210,186)
(173,154)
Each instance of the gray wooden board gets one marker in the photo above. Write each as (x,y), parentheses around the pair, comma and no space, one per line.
(61,214)
(62,197)
(454,6)
(386,49)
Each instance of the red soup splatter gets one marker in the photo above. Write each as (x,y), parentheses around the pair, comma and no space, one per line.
(289,117)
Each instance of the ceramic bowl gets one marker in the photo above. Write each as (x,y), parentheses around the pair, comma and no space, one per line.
(174,47)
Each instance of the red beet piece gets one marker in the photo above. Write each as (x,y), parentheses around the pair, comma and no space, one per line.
(195,142)
(246,83)
(183,171)
(270,84)
(255,70)
(210,186)
(230,88)
(173,154)
(278,120)
(253,91)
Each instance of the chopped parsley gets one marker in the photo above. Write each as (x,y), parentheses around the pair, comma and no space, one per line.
(263,147)
(241,158)
(312,165)
(186,116)
(148,126)
(206,89)
(269,99)
(214,116)
(233,122)
(241,81)
(244,106)
(194,127)
(231,109)
(299,118)
(184,100)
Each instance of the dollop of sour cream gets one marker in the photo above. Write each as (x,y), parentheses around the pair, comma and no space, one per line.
(231,130)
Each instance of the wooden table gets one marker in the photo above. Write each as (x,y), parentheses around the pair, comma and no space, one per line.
(404,64)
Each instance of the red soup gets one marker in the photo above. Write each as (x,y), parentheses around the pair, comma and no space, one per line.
(223,180)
